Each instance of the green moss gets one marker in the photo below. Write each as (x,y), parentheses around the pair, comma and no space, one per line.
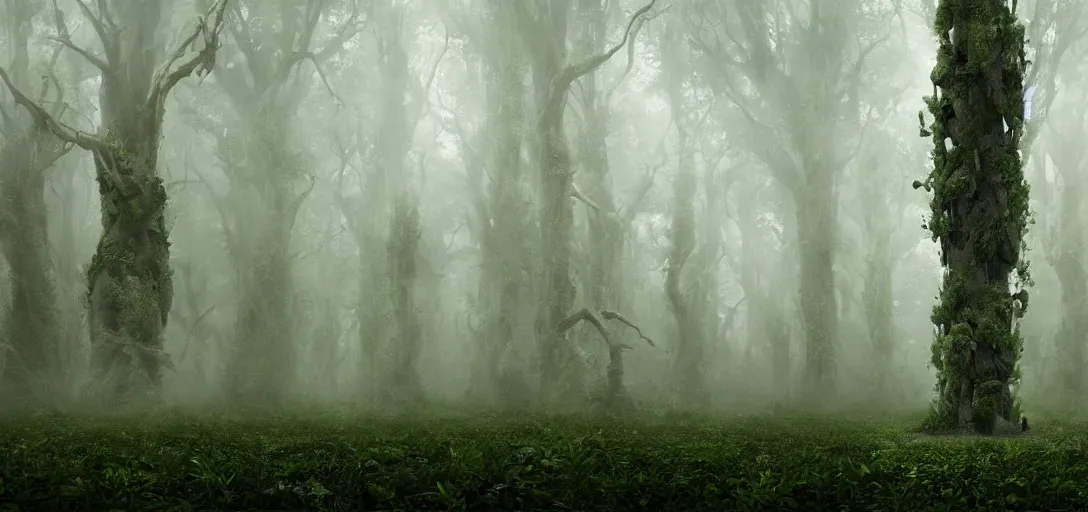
(986,35)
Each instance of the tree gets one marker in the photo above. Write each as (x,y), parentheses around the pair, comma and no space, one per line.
(979,210)
(387,216)
(691,346)
(882,213)
(31,369)
(1064,246)
(544,35)
(260,74)
(130,286)
(501,218)
(794,70)
(1056,27)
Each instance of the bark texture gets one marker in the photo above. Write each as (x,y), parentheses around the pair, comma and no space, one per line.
(691,343)
(979,211)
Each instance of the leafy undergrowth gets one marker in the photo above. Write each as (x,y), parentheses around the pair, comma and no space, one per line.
(336,462)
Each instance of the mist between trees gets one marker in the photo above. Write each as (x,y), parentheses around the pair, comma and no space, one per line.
(560,205)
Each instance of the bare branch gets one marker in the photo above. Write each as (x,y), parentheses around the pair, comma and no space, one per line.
(296,203)
(97,23)
(347,32)
(585,315)
(424,88)
(324,79)
(201,64)
(629,210)
(576,71)
(577,194)
(612,315)
(60,130)
(243,37)
(86,54)
(345,154)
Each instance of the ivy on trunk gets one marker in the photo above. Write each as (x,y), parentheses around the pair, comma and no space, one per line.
(979,211)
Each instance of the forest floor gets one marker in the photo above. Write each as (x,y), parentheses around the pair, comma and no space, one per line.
(331,461)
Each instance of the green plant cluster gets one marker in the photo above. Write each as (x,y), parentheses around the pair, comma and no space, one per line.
(128,210)
(177,462)
(977,170)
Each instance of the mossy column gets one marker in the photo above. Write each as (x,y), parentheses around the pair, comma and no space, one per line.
(979,210)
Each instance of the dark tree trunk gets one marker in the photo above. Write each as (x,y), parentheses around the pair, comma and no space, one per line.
(130,280)
(504,218)
(402,253)
(130,286)
(979,210)
(32,370)
(816,212)
(556,176)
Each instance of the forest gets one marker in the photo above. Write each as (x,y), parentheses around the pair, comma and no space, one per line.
(543,254)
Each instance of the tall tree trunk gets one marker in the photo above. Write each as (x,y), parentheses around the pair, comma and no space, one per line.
(130,287)
(555,179)
(1072,336)
(402,251)
(764,327)
(552,77)
(393,143)
(263,366)
(32,372)
(504,219)
(605,231)
(682,236)
(816,208)
(264,167)
(979,210)
(878,304)
(691,344)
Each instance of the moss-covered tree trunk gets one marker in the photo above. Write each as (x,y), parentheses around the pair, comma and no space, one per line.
(545,35)
(979,210)
(556,225)
(682,233)
(402,254)
(32,369)
(605,230)
(129,278)
(504,218)
(555,175)
(393,141)
(816,207)
(262,369)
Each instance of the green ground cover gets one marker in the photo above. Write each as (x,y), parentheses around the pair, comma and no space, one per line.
(325,461)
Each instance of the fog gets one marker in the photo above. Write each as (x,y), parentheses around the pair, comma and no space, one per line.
(545,205)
